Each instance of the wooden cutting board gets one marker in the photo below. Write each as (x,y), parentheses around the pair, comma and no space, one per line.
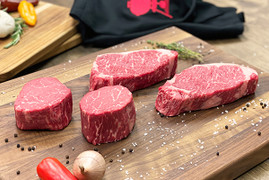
(181,147)
(52,35)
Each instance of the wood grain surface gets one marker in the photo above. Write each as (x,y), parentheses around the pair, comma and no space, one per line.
(54,26)
(181,147)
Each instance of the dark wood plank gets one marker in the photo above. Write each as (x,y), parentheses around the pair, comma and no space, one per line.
(182,147)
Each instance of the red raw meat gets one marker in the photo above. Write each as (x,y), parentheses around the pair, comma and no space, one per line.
(205,86)
(43,103)
(134,70)
(107,114)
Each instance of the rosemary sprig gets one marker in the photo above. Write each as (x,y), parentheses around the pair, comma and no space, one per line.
(18,31)
(183,52)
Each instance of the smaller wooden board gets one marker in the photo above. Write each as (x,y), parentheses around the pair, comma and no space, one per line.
(54,26)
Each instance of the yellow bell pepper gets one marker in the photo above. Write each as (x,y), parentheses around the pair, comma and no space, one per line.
(27,12)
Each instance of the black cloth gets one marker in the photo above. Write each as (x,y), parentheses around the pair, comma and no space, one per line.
(108,22)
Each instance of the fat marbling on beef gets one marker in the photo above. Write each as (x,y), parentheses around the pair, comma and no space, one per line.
(134,70)
(43,103)
(205,86)
(107,114)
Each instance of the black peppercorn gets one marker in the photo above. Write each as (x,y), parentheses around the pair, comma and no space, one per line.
(261,103)
(111,160)
(29,148)
(18,172)
(259,133)
(33,148)
(244,108)
(217,153)
(6,140)
(226,127)
(22,148)
(265,105)
(131,150)
(67,162)
(161,115)
(95,149)
(66,157)
(247,104)
(123,151)
(18,145)
(15,135)
(60,145)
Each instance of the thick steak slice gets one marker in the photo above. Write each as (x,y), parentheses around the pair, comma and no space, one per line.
(134,70)
(43,103)
(107,114)
(205,86)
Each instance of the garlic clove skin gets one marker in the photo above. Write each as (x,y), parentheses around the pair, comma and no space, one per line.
(89,165)
(7,24)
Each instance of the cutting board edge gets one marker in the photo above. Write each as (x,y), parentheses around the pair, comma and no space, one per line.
(246,162)
(9,73)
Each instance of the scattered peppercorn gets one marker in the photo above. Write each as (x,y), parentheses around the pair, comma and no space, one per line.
(67,162)
(29,148)
(18,172)
(217,153)
(123,151)
(248,104)
(22,148)
(131,150)
(33,148)
(95,149)
(161,115)
(261,103)
(73,149)
(226,127)
(18,145)
(66,157)
(244,108)
(6,140)
(259,133)
(265,105)
(111,160)
(15,135)
(60,145)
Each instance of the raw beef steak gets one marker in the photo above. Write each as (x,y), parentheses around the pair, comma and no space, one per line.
(134,70)
(205,86)
(107,114)
(43,103)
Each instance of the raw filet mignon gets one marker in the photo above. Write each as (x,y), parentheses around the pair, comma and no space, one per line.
(134,70)
(205,86)
(43,103)
(107,114)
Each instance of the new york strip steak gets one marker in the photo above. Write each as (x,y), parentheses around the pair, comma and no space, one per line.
(205,86)
(134,70)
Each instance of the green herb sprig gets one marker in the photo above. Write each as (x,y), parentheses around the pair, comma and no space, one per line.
(183,52)
(18,31)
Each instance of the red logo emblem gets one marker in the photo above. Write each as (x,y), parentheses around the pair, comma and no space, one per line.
(141,7)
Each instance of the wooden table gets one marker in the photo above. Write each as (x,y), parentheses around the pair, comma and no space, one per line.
(252,47)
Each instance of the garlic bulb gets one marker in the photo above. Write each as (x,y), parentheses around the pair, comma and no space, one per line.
(7,24)
(89,165)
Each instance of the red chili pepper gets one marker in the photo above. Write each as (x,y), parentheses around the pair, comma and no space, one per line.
(12,5)
(52,169)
